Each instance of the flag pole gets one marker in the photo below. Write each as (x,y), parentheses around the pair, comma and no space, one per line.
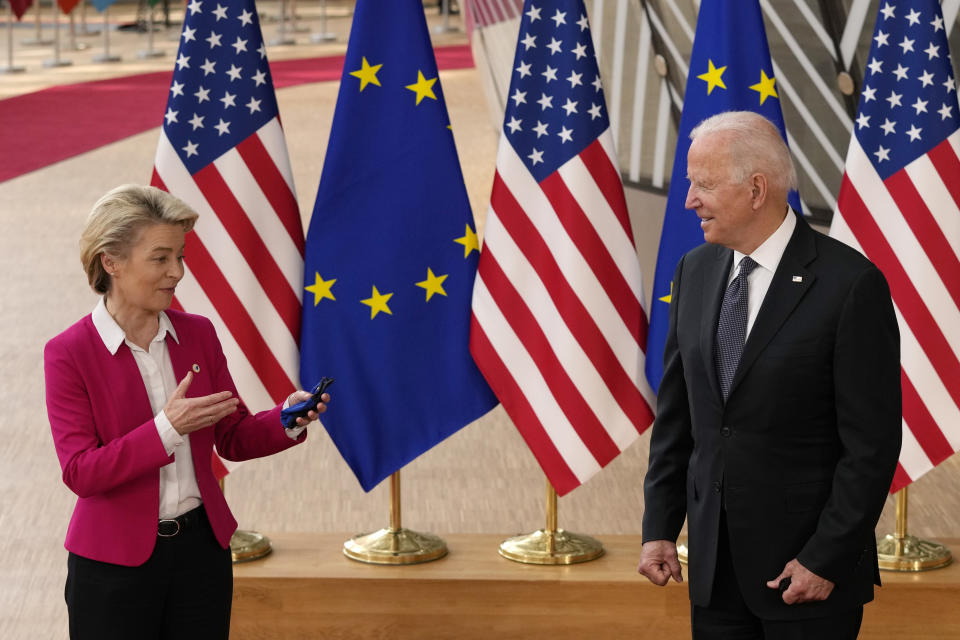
(551,545)
(395,545)
(106,56)
(39,40)
(323,35)
(150,52)
(56,60)
(246,546)
(10,68)
(902,552)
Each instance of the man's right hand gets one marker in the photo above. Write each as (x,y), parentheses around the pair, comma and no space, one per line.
(659,562)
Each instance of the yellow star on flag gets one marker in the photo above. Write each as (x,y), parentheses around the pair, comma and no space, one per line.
(377,303)
(765,87)
(469,242)
(433,284)
(320,289)
(713,77)
(422,87)
(669,297)
(367,74)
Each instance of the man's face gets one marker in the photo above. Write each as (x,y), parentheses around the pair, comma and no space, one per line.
(725,207)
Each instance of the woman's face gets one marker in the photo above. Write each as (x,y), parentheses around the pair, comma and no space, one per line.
(147,278)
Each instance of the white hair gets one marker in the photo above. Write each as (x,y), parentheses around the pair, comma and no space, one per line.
(755,146)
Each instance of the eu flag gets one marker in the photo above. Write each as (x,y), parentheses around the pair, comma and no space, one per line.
(391,255)
(730,70)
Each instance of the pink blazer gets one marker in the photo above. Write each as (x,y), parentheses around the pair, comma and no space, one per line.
(108,444)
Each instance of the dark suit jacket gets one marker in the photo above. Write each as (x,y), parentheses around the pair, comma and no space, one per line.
(804,449)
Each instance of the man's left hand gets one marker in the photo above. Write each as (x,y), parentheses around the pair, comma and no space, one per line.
(805,586)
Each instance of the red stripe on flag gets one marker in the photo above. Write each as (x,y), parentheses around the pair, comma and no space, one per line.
(506,389)
(605,175)
(900,479)
(237,320)
(251,246)
(571,308)
(947,164)
(583,234)
(274,187)
(175,304)
(532,337)
(922,424)
(927,231)
(911,305)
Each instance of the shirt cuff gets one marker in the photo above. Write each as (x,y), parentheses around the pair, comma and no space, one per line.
(168,435)
(292,432)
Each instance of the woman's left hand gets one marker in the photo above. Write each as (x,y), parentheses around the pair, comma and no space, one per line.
(303,396)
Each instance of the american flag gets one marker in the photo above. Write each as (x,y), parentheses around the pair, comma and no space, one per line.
(222,151)
(483,13)
(899,204)
(559,325)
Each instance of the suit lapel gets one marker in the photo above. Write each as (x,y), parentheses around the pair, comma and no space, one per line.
(782,297)
(714,285)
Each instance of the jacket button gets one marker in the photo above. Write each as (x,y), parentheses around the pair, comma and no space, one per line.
(725,432)
(716,487)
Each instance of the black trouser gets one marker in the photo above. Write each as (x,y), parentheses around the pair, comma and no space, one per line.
(728,617)
(184,590)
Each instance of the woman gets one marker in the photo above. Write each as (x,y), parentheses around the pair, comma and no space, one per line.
(149,537)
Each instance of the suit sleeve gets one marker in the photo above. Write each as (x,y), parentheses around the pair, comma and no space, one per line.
(91,467)
(671,441)
(242,435)
(866,372)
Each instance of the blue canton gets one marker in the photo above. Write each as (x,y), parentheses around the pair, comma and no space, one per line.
(555,107)
(222,90)
(909,99)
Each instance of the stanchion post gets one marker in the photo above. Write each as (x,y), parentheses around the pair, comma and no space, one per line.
(10,67)
(395,545)
(323,35)
(906,553)
(105,56)
(56,61)
(551,545)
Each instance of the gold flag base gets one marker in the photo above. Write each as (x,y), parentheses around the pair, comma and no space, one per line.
(910,553)
(395,546)
(683,552)
(246,546)
(551,547)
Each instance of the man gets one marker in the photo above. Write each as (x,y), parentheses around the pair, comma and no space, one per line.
(778,426)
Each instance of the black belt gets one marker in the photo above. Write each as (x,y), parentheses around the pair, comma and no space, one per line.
(170,527)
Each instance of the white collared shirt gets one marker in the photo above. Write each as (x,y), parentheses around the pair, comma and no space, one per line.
(179,492)
(767,256)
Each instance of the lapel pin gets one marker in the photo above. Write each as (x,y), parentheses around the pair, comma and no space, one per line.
(795,279)
(196,368)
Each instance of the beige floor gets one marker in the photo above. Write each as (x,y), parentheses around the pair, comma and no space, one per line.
(481,480)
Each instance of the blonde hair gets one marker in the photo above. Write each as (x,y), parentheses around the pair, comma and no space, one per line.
(755,146)
(115,223)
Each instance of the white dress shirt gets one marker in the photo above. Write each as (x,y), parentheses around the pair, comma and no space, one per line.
(179,492)
(767,256)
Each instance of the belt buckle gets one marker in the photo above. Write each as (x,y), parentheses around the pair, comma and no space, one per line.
(168,535)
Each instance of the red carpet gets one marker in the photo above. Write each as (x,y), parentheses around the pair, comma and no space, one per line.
(40,128)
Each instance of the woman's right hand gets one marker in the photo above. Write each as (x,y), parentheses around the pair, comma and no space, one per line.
(190,414)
